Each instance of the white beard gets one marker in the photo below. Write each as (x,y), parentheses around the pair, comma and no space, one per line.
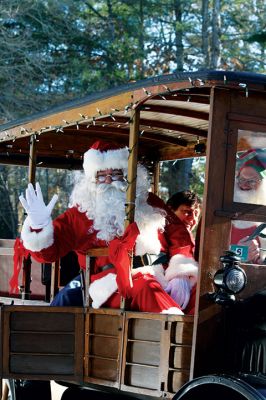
(105,205)
(109,212)
(251,196)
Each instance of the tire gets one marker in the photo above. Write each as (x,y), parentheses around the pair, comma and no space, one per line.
(215,387)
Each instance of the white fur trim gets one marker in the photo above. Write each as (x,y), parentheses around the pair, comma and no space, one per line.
(96,160)
(172,310)
(147,269)
(180,266)
(101,289)
(156,270)
(148,240)
(37,241)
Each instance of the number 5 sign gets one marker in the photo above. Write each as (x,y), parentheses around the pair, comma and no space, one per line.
(241,251)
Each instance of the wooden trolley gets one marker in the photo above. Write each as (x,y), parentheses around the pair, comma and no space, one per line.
(143,354)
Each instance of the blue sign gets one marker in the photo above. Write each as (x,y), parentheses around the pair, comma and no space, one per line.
(241,251)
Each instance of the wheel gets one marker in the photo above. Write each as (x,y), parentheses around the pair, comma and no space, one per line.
(219,388)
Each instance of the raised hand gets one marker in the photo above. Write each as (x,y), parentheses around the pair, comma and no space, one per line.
(253,249)
(39,214)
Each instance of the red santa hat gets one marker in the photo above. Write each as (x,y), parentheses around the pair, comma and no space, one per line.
(105,155)
(255,158)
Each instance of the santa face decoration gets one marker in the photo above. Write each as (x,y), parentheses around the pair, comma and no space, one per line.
(250,182)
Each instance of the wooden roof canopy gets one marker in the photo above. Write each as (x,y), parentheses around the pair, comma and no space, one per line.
(174,116)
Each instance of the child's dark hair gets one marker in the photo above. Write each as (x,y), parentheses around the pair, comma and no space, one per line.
(186,197)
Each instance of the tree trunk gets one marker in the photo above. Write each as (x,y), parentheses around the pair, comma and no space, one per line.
(141,40)
(205,32)
(178,35)
(216,34)
(181,176)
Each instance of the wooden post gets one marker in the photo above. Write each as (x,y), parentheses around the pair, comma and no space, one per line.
(156,178)
(32,160)
(132,175)
(132,166)
(87,277)
(55,279)
(26,278)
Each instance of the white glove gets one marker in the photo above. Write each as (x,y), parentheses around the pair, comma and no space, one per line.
(39,214)
(179,290)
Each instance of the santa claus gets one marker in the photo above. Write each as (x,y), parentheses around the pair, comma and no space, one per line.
(95,218)
(250,187)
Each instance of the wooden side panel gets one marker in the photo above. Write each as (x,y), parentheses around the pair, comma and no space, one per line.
(157,351)
(103,343)
(39,364)
(179,354)
(43,343)
(137,352)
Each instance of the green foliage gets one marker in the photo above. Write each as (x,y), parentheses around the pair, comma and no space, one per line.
(257,37)
(182,175)
(55,50)
(198,176)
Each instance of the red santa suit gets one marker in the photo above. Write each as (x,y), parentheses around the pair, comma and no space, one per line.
(75,231)
(238,233)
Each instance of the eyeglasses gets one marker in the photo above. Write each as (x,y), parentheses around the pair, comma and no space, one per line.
(114,177)
(250,182)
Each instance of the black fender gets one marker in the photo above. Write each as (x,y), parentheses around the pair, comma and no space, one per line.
(220,387)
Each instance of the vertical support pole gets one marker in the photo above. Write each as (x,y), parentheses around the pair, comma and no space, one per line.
(55,278)
(32,160)
(156,178)
(132,174)
(130,203)
(26,278)
(86,297)
(132,166)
